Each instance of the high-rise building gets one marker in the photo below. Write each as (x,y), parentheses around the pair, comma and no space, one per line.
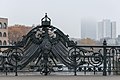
(3,31)
(106,29)
(88,29)
(100,31)
(113,29)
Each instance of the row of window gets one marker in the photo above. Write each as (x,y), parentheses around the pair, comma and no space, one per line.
(3,26)
(4,34)
(4,42)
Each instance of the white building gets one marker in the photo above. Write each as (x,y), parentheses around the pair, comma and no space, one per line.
(113,29)
(3,32)
(106,29)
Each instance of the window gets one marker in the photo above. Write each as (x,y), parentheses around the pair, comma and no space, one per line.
(0,42)
(4,34)
(4,43)
(4,26)
(0,34)
(0,25)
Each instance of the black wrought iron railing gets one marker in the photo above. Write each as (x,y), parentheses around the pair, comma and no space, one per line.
(86,59)
(46,49)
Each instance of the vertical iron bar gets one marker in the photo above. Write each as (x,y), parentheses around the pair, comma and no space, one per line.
(94,68)
(85,70)
(46,61)
(16,74)
(109,64)
(5,62)
(104,58)
(75,62)
(16,69)
(6,70)
(116,62)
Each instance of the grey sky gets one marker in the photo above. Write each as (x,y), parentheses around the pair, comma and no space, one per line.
(65,14)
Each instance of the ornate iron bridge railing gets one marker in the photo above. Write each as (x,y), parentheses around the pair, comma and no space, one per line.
(96,59)
(46,49)
(85,59)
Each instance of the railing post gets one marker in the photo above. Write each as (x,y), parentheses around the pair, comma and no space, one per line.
(104,58)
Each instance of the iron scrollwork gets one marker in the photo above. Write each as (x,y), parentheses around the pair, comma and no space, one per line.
(96,59)
(76,54)
(15,54)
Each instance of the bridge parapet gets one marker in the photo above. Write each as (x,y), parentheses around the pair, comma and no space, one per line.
(45,46)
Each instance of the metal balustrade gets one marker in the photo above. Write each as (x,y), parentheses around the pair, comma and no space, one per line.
(46,49)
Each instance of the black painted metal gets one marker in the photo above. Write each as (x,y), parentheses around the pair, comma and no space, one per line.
(46,49)
(104,58)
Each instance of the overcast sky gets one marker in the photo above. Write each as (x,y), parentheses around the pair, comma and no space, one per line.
(65,14)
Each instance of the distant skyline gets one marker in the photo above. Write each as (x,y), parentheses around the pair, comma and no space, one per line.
(65,14)
(106,29)
(88,28)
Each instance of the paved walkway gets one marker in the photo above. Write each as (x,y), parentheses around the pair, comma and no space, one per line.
(59,77)
(56,76)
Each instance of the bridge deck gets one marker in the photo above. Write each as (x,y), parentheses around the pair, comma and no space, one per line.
(59,77)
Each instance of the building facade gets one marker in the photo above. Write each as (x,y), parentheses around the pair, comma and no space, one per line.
(106,29)
(113,29)
(3,31)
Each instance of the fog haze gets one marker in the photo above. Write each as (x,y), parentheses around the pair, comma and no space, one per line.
(65,14)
